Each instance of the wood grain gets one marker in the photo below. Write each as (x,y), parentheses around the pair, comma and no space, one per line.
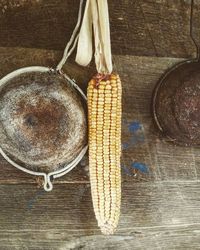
(139,76)
(162,215)
(160,209)
(140,27)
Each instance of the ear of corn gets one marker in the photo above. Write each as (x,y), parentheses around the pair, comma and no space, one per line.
(104,114)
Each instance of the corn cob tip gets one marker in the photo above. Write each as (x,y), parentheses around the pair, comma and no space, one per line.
(107,229)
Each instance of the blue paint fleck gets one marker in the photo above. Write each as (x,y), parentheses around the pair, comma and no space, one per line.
(136,134)
(125,145)
(140,166)
(34,199)
(134,126)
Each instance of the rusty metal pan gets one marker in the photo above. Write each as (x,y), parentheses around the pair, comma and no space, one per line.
(43,122)
(176,104)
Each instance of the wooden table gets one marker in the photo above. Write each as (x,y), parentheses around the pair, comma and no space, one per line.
(161,205)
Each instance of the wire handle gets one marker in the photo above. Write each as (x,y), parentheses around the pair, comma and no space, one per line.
(191,30)
(73,40)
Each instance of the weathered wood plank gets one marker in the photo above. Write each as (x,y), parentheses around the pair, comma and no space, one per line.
(163,215)
(168,23)
(160,209)
(141,141)
(144,144)
(155,28)
(182,238)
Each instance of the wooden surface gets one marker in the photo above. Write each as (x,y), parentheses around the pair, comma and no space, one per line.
(139,27)
(161,208)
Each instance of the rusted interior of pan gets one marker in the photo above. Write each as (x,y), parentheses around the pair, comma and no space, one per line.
(42,120)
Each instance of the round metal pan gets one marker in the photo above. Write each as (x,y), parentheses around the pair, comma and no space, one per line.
(176,104)
(43,122)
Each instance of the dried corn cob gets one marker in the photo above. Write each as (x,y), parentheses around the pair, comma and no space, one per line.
(104,114)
